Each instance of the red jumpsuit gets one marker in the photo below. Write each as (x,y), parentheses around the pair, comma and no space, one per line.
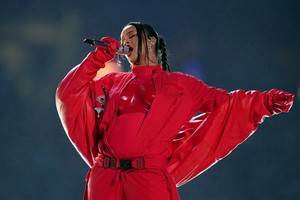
(175,146)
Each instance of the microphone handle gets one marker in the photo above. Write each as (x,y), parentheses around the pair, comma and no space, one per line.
(122,49)
(95,42)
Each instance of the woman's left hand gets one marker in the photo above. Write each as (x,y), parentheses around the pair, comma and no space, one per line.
(282,101)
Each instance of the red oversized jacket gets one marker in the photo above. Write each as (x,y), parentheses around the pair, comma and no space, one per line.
(191,143)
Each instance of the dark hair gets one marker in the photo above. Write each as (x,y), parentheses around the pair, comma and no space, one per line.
(144,32)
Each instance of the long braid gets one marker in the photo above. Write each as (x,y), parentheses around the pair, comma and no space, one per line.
(162,54)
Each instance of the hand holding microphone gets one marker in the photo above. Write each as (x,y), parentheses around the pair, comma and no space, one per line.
(106,49)
(121,50)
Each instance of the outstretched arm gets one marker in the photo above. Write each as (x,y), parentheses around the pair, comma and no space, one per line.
(229,119)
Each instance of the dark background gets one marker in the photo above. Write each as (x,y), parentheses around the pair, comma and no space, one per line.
(229,44)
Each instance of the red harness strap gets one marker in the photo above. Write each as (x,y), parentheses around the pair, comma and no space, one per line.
(137,163)
(153,162)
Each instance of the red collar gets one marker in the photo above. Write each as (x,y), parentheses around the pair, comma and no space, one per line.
(145,70)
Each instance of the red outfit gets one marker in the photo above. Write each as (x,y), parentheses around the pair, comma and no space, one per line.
(158,127)
(135,102)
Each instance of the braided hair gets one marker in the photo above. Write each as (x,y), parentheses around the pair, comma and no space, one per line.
(144,32)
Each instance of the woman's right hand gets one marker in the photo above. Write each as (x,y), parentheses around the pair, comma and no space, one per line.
(104,54)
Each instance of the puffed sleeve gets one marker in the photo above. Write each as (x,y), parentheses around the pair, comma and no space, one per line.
(75,107)
(228,120)
(206,98)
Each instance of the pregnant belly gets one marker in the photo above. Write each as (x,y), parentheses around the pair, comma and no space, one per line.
(124,132)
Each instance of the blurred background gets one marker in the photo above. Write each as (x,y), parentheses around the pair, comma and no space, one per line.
(228,44)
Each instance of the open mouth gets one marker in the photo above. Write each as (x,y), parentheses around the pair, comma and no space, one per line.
(130,50)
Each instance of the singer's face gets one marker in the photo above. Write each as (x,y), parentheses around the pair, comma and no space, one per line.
(130,39)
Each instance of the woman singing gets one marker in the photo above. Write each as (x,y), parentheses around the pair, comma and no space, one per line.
(139,131)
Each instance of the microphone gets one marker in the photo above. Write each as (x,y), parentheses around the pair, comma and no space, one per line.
(122,49)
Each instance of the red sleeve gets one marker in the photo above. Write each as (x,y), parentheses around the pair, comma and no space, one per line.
(206,98)
(211,136)
(75,106)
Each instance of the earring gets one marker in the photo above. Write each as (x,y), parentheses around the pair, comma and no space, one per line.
(151,47)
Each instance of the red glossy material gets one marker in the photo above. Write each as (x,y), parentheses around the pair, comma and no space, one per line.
(176,146)
(138,95)
(134,104)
